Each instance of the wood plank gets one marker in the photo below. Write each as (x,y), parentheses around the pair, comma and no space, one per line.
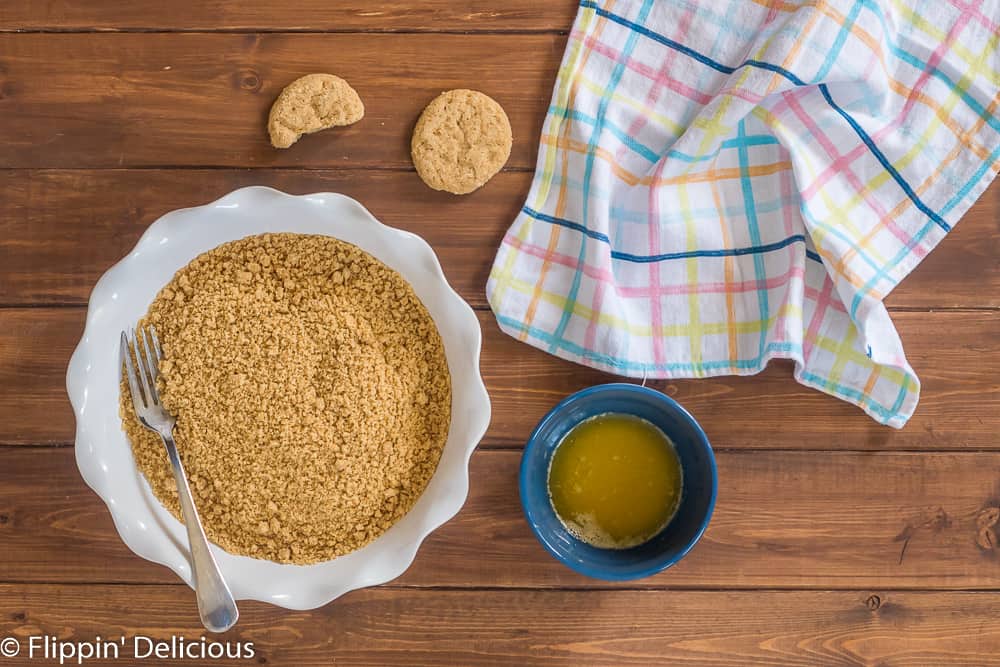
(834,520)
(112,100)
(577,628)
(311,15)
(57,238)
(964,263)
(955,353)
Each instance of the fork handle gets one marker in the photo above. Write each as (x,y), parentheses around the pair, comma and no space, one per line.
(215,601)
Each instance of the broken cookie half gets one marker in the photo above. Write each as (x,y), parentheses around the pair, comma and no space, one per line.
(312,103)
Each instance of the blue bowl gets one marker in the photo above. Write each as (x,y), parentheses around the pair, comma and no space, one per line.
(697,498)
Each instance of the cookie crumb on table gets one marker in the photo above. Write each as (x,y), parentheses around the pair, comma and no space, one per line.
(461,140)
(311,392)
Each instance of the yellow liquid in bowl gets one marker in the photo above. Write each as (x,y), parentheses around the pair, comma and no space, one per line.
(615,481)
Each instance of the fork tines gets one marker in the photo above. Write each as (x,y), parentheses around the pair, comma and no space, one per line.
(145,369)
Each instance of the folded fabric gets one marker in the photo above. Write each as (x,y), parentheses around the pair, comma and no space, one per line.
(724,183)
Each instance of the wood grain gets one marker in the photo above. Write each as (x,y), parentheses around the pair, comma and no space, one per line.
(955,353)
(57,237)
(573,628)
(291,15)
(833,520)
(112,100)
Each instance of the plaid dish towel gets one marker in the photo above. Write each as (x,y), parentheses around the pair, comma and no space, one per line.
(724,183)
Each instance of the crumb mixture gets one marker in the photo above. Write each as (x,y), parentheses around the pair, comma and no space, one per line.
(311,393)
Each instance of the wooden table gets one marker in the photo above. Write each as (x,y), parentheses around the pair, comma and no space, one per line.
(835,540)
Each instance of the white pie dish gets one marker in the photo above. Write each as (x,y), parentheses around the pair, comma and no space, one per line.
(122,296)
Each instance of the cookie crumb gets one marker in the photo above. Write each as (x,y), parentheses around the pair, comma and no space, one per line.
(311,412)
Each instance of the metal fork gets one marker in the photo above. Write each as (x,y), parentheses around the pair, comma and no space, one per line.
(215,602)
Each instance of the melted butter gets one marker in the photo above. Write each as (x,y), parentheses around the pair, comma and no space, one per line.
(615,481)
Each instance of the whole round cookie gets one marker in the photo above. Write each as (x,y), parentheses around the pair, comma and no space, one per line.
(461,140)
(312,103)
